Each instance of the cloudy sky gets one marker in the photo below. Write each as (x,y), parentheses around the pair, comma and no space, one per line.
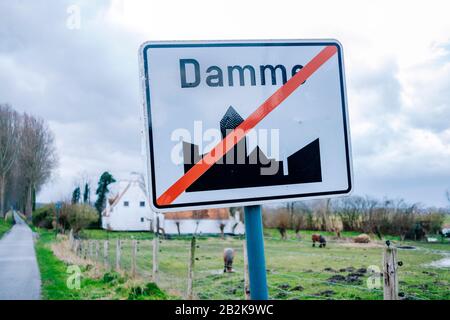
(75,64)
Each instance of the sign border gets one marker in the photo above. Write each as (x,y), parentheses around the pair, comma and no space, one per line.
(144,72)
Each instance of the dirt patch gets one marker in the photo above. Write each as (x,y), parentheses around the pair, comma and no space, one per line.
(352,278)
(284,286)
(298,288)
(362,270)
(348,269)
(281,295)
(406,247)
(326,293)
(372,244)
(336,278)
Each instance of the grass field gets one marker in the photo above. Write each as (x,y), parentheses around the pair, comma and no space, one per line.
(6,224)
(95,283)
(295,269)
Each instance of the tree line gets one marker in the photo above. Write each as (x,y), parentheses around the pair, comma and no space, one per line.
(356,213)
(77,212)
(101,192)
(27,159)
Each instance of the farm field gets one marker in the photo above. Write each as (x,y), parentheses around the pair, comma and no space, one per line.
(295,269)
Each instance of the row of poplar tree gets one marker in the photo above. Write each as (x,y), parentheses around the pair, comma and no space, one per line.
(27,159)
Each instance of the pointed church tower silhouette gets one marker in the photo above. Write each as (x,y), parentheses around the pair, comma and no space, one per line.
(230,120)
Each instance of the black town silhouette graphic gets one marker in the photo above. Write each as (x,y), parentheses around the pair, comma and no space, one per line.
(231,173)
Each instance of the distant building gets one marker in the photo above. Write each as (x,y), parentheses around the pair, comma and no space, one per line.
(446,230)
(127,206)
(128,209)
(208,221)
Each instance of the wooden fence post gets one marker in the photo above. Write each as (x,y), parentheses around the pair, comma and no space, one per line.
(80,248)
(75,247)
(106,253)
(155,258)
(133,258)
(246,278)
(85,250)
(71,239)
(390,273)
(91,249)
(118,248)
(190,291)
(97,249)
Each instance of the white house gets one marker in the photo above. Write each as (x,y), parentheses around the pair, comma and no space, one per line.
(210,221)
(128,209)
(127,206)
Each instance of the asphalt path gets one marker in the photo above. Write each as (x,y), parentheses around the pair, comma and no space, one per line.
(19,271)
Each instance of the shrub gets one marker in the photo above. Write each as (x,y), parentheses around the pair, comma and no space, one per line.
(44,217)
(81,216)
(280,219)
(9,218)
(432,222)
(150,291)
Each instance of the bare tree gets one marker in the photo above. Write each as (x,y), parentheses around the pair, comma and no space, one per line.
(9,136)
(37,156)
(222,225)
(198,216)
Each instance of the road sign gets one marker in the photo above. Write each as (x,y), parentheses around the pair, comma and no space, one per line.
(244,122)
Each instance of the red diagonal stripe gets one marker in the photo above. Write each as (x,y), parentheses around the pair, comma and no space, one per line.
(237,134)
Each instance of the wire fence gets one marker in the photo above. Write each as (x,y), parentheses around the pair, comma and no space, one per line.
(294,269)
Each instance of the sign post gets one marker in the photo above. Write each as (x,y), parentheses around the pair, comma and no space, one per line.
(255,252)
(245,123)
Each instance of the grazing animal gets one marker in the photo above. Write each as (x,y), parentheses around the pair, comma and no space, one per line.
(320,239)
(362,238)
(228,256)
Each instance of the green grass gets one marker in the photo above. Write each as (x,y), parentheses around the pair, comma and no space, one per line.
(447,219)
(296,270)
(54,277)
(53,271)
(6,224)
(100,234)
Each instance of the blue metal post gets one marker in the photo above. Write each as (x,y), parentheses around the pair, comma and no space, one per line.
(255,253)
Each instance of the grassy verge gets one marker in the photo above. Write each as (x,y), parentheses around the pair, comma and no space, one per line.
(57,279)
(6,224)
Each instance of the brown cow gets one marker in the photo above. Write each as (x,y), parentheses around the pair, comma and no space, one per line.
(320,239)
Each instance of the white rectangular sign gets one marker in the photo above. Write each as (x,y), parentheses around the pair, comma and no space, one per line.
(244,122)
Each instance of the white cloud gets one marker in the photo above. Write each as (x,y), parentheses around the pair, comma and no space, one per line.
(85,82)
